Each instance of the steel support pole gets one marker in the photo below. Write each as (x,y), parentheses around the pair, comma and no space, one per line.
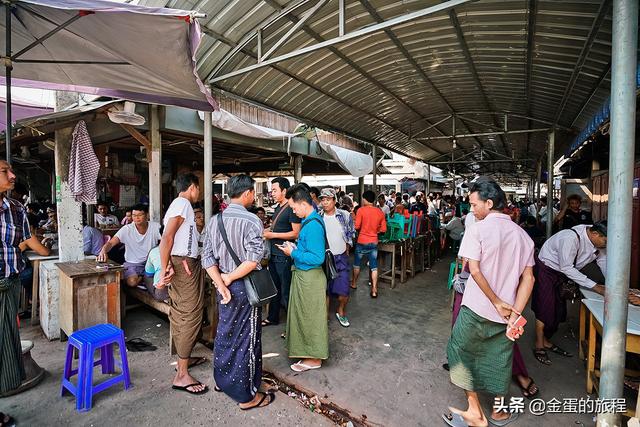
(360,189)
(428,180)
(621,158)
(539,184)
(208,168)
(8,66)
(374,154)
(297,169)
(550,151)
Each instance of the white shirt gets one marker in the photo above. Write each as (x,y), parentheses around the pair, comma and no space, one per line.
(137,246)
(106,219)
(533,208)
(559,253)
(431,206)
(337,245)
(543,213)
(185,242)
(455,228)
(385,209)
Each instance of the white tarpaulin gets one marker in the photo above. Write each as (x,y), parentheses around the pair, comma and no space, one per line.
(107,48)
(224,120)
(355,163)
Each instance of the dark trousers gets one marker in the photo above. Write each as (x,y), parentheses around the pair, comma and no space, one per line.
(280,269)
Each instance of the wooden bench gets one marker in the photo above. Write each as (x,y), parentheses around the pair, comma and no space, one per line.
(208,332)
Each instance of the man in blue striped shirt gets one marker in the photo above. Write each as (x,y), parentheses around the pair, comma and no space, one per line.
(14,228)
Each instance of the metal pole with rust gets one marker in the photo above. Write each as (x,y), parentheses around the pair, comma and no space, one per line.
(622,147)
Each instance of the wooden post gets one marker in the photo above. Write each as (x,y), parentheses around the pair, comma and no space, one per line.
(155,166)
(297,171)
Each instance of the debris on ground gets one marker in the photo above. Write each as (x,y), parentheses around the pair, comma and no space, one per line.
(315,404)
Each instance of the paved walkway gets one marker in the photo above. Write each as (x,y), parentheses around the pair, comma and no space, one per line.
(387,364)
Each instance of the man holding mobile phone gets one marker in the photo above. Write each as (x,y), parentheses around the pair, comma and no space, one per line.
(480,353)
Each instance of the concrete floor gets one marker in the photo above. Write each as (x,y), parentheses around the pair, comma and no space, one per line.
(387,364)
(150,402)
(385,369)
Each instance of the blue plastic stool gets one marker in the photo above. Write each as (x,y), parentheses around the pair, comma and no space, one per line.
(87,341)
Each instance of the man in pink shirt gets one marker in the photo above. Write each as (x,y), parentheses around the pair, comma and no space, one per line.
(500,256)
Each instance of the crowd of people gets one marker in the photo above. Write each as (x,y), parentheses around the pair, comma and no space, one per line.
(496,239)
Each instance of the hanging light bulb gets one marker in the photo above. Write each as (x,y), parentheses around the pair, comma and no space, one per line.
(455,145)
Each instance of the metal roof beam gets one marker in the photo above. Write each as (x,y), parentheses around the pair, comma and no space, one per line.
(391,35)
(531,35)
(471,135)
(593,91)
(348,36)
(593,32)
(313,86)
(474,72)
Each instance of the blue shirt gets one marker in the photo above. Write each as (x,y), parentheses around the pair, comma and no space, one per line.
(310,251)
(92,240)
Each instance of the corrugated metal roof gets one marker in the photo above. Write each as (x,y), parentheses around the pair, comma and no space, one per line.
(548,60)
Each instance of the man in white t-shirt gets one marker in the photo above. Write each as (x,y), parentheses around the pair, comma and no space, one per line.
(138,239)
(103,218)
(181,267)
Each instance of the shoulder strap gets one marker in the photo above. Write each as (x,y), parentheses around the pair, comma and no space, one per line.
(575,261)
(226,240)
(326,242)
(275,220)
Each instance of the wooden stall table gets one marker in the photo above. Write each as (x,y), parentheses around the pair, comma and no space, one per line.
(88,295)
(584,319)
(416,249)
(595,312)
(398,262)
(35,259)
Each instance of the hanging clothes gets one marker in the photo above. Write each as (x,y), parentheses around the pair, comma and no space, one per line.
(83,166)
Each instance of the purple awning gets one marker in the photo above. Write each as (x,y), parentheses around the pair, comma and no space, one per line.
(113,49)
(19,111)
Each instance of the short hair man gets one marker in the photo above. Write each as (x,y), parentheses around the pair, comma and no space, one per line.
(92,238)
(138,239)
(15,229)
(238,347)
(307,329)
(577,254)
(382,204)
(285,227)
(181,267)
(572,214)
(103,218)
(500,258)
(315,197)
(340,232)
(370,221)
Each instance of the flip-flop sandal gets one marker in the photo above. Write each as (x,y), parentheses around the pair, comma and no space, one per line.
(283,335)
(267,323)
(301,367)
(271,397)
(198,361)
(526,391)
(554,348)
(217,389)
(541,356)
(454,420)
(353,287)
(186,388)
(500,423)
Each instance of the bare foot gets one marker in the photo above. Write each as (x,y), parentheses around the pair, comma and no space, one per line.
(187,379)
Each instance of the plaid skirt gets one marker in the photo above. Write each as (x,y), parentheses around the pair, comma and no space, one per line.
(479,353)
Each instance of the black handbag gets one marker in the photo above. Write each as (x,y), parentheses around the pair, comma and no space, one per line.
(258,284)
(329,264)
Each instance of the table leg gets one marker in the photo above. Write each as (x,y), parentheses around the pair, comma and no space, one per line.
(403,262)
(35,291)
(591,355)
(581,338)
(393,268)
